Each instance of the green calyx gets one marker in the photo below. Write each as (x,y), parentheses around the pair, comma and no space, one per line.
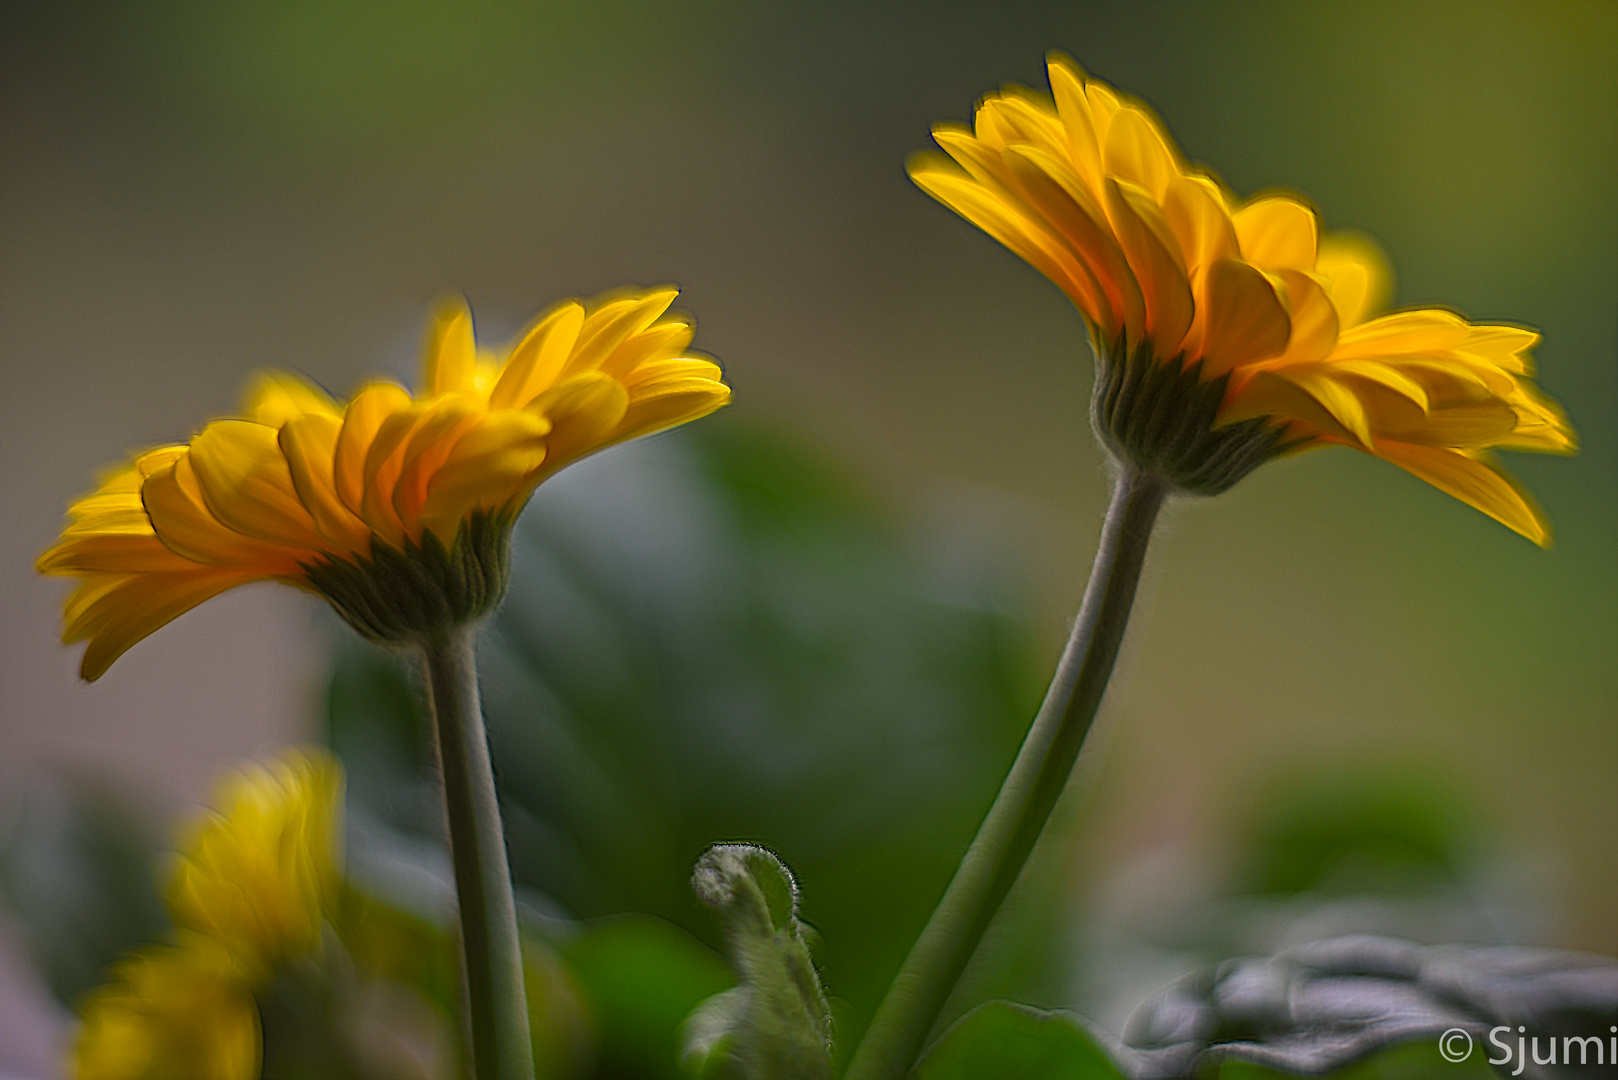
(1165,418)
(397,596)
(777,1024)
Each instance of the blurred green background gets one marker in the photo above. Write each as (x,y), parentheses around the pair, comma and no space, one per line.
(189,191)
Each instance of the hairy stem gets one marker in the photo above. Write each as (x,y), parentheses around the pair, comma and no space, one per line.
(497,1008)
(991,865)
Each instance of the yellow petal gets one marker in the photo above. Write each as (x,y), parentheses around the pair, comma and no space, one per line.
(1195,211)
(1477,425)
(1009,225)
(537,360)
(493,465)
(365,415)
(1245,320)
(1335,396)
(1354,274)
(450,360)
(1108,291)
(1505,346)
(432,441)
(584,409)
(1067,87)
(1277,232)
(670,392)
(1160,271)
(135,550)
(1314,320)
(666,339)
(383,464)
(183,521)
(1136,150)
(1426,330)
(1474,481)
(609,325)
(309,443)
(274,397)
(244,479)
(139,604)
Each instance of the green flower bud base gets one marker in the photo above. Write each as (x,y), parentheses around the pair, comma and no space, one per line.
(397,596)
(1163,417)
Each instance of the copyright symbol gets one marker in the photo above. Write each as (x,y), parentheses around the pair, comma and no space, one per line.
(1455,1045)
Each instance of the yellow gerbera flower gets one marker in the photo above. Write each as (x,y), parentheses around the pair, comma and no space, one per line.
(259,873)
(170,1011)
(1229,332)
(396,508)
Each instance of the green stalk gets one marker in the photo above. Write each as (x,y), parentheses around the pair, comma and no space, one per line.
(908,1014)
(497,1007)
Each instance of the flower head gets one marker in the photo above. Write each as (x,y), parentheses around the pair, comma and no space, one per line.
(169,1011)
(258,874)
(1231,331)
(394,506)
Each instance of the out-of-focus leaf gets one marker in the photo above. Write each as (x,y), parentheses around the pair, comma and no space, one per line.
(79,871)
(777,1024)
(1334,1003)
(641,977)
(1015,1042)
(1379,831)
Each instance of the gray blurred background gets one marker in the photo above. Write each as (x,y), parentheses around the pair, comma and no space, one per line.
(189,191)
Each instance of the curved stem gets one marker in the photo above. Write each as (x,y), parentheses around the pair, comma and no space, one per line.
(496,1004)
(1007,836)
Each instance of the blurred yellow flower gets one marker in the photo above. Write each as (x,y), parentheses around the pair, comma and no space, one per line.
(1247,300)
(396,508)
(258,874)
(249,891)
(169,1012)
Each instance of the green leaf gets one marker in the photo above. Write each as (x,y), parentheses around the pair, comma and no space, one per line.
(1007,1041)
(777,1024)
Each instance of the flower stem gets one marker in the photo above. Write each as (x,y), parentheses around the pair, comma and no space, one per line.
(496,1005)
(992,864)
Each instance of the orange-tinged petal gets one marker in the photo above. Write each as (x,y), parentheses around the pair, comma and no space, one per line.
(538,358)
(182,520)
(1245,320)
(1277,232)
(450,360)
(1474,481)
